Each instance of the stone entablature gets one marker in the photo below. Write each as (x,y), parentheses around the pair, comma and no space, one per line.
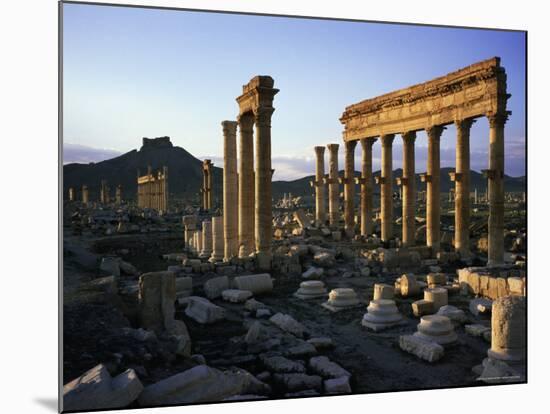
(474,91)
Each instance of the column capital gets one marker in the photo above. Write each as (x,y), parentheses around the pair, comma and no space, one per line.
(498,119)
(425,178)
(401,181)
(379,179)
(246,122)
(316,183)
(491,174)
(346,180)
(387,140)
(367,142)
(360,180)
(435,131)
(464,124)
(328,180)
(262,115)
(408,136)
(229,127)
(350,145)
(333,147)
(319,150)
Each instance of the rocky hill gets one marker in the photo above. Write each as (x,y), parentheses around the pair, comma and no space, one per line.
(185,174)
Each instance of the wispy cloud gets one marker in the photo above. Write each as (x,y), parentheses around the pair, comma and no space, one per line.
(84,154)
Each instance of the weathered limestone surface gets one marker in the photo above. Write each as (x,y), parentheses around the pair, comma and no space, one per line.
(383,291)
(203,311)
(288,324)
(311,289)
(157,294)
(337,385)
(333,186)
(508,322)
(349,188)
(236,295)
(381,314)
(438,296)
(206,250)
(196,385)
(319,185)
(436,328)
(246,185)
(217,240)
(409,189)
(366,186)
(423,349)
(322,366)
(96,390)
(422,307)
(214,287)
(408,285)
(341,298)
(230,190)
(257,284)
(386,193)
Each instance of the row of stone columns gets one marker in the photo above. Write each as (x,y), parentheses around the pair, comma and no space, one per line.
(207,243)
(247,195)
(153,190)
(494,174)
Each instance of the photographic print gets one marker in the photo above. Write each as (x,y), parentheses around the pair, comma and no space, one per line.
(263,207)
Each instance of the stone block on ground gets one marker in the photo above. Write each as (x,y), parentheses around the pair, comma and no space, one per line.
(97,390)
(453,313)
(288,324)
(214,287)
(324,367)
(257,284)
(203,311)
(299,382)
(279,364)
(236,295)
(426,350)
(476,329)
(422,307)
(157,294)
(313,273)
(337,385)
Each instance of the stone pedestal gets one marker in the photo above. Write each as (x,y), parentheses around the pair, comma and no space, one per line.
(333,186)
(408,286)
(206,249)
(230,191)
(85,196)
(382,291)
(341,298)
(381,314)
(386,193)
(217,242)
(438,296)
(408,189)
(366,186)
(436,328)
(246,186)
(508,329)
(349,188)
(311,289)
(433,189)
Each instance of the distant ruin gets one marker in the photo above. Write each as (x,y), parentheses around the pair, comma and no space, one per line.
(153,189)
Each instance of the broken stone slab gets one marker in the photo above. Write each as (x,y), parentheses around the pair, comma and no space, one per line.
(476,329)
(157,294)
(236,295)
(279,364)
(305,393)
(257,284)
(313,273)
(263,313)
(422,307)
(127,268)
(408,286)
(481,306)
(184,287)
(254,333)
(516,286)
(436,279)
(324,367)
(321,342)
(337,385)
(438,296)
(203,311)
(253,305)
(110,265)
(453,313)
(324,259)
(299,382)
(97,390)
(198,384)
(302,349)
(288,324)
(426,350)
(214,287)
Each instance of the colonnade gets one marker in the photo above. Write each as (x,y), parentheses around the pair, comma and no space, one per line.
(153,189)
(206,190)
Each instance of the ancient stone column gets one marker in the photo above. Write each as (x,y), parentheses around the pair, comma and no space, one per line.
(462,187)
(409,189)
(263,173)
(118,194)
(246,186)
(508,328)
(386,196)
(71,194)
(189,224)
(230,190)
(495,189)
(217,236)
(320,208)
(85,196)
(433,209)
(207,184)
(333,185)
(349,188)
(366,186)
(206,250)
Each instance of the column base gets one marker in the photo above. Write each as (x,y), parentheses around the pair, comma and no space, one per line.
(263,261)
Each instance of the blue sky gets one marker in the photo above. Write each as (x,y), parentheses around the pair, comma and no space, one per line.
(130,73)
